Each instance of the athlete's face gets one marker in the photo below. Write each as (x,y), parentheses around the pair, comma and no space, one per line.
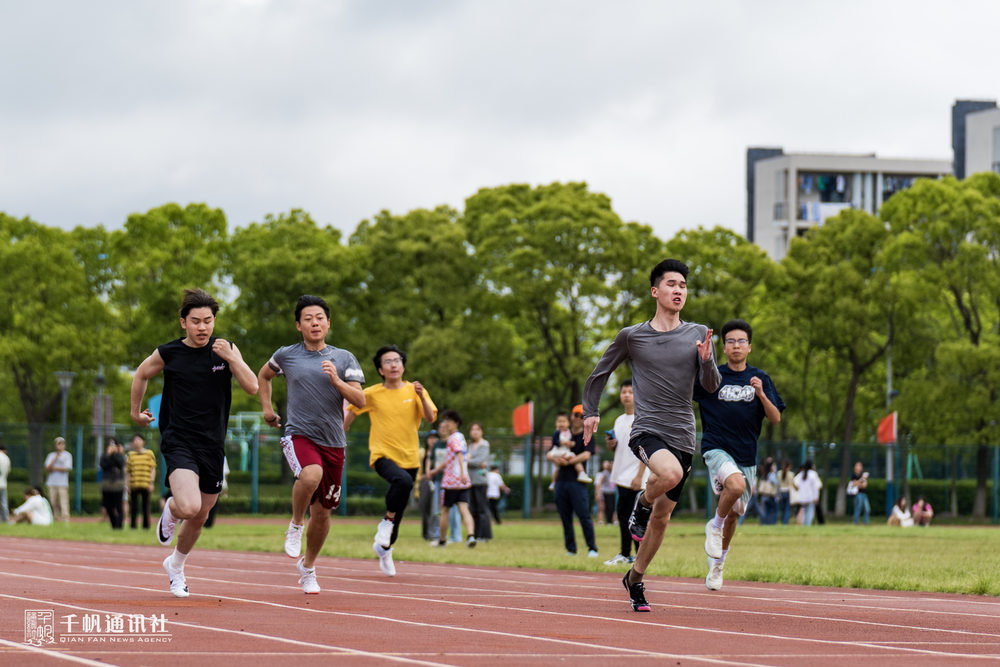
(672,292)
(313,324)
(392,366)
(199,324)
(736,346)
(625,396)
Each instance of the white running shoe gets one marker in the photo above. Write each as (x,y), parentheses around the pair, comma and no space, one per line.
(617,560)
(471,542)
(307,578)
(385,560)
(178,584)
(584,477)
(293,540)
(383,536)
(166,526)
(713,581)
(713,541)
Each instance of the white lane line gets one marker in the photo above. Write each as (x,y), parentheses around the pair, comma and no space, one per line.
(480,580)
(440,600)
(197,626)
(600,647)
(55,654)
(512,609)
(478,571)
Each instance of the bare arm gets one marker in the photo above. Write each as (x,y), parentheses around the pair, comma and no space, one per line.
(772,412)
(148,369)
(348,420)
(430,413)
(264,388)
(239,368)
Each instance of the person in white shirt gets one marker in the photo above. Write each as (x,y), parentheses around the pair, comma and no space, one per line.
(35,510)
(628,473)
(4,471)
(808,484)
(58,464)
(901,514)
(494,485)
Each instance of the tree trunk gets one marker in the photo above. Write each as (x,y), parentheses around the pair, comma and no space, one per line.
(37,453)
(982,470)
(845,456)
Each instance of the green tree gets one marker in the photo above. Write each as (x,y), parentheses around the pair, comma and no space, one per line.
(947,241)
(156,256)
(50,320)
(838,290)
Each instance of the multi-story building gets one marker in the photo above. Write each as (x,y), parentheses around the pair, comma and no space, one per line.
(982,141)
(788,193)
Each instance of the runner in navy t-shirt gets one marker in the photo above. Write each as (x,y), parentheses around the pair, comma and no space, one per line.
(194,414)
(731,417)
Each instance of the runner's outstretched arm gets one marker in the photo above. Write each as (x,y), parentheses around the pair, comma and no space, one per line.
(264,378)
(616,353)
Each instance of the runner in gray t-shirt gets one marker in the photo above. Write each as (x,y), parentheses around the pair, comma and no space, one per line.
(319,379)
(667,356)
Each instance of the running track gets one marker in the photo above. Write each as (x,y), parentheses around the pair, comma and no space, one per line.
(247,607)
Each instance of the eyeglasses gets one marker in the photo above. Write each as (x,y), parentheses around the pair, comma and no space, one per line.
(736,341)
(392,362)
(578,415)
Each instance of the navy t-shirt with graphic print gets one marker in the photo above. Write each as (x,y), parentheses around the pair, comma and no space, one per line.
(732,415)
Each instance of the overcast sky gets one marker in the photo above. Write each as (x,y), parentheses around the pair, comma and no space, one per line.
(348,108)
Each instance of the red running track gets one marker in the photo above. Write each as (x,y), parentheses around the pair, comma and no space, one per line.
(249,608)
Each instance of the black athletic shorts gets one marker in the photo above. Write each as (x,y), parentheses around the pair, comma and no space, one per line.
(452,496)
(644,445)
(207,463)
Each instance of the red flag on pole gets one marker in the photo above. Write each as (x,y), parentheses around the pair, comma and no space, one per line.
(887,430)
(524,418)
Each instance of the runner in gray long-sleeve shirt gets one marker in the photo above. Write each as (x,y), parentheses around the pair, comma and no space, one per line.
(667,356)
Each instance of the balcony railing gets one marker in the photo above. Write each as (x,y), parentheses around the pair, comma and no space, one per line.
(781,211)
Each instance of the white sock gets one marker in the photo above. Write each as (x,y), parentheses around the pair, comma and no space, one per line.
(292,524)
(718,521)
(177,560)
(721,561)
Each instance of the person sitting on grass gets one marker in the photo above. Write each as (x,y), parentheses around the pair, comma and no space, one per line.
(922,512)
(901,514)
(35,509)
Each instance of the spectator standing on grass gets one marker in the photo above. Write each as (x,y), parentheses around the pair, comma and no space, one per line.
(808,484)
(627,472)
(479,461)
(858,488)
(428,497)
(112,484)
(901,515)
(572,496)
(59,464)
(4,471)
(494,487)
(922,512)
(606,494)
(456,481)
(785,489)
(35,510)
(768,491)
(140,471)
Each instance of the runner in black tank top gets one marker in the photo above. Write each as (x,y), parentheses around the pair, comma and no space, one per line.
(194,413)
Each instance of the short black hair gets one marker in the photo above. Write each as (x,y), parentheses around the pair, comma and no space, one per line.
(385,349)
(667,266)
(307,300)
(450,415)
(626,383)
(136,435)
(198,298)
(562,413)
(740,325)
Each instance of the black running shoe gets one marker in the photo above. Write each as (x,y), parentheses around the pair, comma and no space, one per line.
(637,592)
(639,519)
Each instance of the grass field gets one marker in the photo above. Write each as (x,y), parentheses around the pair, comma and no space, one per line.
(941,559)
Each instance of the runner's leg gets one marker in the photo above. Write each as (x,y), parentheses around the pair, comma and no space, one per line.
(626,501)
(663,507)
(665,473)
(190,530)
(319,528)
(302,493)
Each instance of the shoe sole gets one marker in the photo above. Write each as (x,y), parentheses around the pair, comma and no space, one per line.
(381,562)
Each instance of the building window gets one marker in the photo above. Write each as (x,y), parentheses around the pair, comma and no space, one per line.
(893,183)
(825,187)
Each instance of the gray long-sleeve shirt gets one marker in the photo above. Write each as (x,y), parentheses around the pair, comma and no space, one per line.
(665,365)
